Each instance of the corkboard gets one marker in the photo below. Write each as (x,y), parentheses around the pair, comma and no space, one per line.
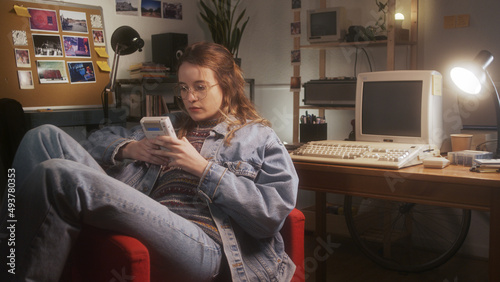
(83,86)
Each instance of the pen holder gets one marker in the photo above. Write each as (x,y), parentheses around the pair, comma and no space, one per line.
(312,132)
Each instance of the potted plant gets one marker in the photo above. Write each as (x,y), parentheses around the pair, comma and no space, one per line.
(377,31)
(223,24)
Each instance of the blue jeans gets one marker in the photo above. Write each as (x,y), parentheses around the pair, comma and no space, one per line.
(60,187)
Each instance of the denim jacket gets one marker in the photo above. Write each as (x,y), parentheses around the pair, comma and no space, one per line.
(250,186)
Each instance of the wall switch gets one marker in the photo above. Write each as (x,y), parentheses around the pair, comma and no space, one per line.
(463,20)
(450,22)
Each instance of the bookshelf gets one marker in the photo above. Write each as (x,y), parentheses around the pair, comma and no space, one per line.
(390,45)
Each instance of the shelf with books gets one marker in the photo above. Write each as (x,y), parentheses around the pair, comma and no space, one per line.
(146,97)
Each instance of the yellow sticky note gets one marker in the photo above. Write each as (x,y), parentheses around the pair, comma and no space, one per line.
(103,66)
(22,11)
(101,51)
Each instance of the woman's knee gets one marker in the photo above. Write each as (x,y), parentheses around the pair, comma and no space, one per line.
(40,133)
(44,129)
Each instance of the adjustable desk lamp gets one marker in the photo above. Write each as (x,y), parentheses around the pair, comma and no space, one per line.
(124,41)
(470,78)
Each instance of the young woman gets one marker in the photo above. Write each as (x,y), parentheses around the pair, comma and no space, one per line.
(208,204)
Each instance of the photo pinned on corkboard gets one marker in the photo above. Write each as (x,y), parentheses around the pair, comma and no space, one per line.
(47,45)
(22,58)
(98,35)
(25,79)
(81,72)
(76,46)
(73,21)
(43,20)
(96,21)
(52,72)
(19,38)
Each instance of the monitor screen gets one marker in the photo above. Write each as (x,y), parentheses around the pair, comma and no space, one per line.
(324,23)
(403,106)
(392,108)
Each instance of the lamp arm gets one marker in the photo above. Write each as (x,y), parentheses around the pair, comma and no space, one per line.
(110,88)
(497,108)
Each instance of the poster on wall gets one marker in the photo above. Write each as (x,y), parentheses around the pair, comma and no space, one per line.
(43,20)
(127,7)
(151,8)
(52,71)
(73,21)
(76,46)
(47,45)
(172,11)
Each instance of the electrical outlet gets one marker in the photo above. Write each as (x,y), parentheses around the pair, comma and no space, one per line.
(463,20)
(450,22)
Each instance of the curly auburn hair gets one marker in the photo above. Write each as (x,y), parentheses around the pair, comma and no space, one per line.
(231,81)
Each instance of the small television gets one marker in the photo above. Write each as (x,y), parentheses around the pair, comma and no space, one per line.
(326,25)
(399,106)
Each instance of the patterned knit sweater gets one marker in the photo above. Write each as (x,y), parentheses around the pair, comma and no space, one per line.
(177,189)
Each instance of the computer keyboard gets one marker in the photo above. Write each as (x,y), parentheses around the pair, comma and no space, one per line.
(369,154)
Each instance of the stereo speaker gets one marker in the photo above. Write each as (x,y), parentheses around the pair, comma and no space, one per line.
(167,48)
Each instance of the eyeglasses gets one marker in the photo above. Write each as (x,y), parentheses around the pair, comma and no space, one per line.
(199,91)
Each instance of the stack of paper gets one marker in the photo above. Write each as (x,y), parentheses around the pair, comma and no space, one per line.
(491,165)
(148,70)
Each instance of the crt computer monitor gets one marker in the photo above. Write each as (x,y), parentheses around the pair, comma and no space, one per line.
(326,24)
(399,106)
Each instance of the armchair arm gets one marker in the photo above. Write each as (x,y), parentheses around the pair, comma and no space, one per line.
(100,255)
(293,235)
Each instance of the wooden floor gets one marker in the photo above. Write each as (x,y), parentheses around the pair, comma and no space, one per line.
(345,263)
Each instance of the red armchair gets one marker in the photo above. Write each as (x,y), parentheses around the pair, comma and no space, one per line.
(104,256)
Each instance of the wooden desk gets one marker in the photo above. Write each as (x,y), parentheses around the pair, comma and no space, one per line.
(453,186)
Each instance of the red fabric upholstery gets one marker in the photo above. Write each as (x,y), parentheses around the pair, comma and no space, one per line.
(293,235)
(100,255)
